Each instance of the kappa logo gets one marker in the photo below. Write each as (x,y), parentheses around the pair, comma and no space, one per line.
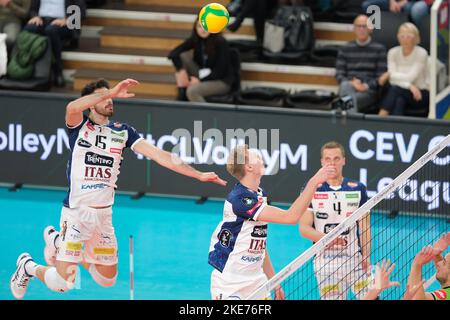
(225,237)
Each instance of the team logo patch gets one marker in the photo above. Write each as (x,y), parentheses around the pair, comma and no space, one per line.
(225,237)
(260,231)
(320,196)
(249,202)
(441,294)
(83,143)
(322,215)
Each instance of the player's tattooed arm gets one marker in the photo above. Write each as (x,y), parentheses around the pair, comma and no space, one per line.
(74,110)
(172,162)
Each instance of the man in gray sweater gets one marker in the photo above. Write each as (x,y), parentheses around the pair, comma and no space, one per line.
(361,67)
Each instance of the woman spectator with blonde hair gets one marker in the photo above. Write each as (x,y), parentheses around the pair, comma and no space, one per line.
(407,74)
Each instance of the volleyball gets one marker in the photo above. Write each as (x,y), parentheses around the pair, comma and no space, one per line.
(213,17)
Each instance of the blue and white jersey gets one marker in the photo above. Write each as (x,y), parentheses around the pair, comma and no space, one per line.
(331,205)
(238,245)
(94,161)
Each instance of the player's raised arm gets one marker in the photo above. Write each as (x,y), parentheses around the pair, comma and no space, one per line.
(293,214)
(174,163)
(74,110)
(425,256)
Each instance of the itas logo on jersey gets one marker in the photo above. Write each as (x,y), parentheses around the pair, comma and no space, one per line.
(257,246)
(321,196)
(98,160)
(260,231)
(96,173)
(225,237)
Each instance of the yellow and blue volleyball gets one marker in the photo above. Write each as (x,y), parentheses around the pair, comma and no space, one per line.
(213,17)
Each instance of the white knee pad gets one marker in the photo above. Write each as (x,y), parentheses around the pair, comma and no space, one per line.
(55,282)
(100,279)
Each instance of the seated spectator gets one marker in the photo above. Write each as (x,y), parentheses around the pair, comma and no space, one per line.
(360,67)
(416,9)
(259,10)
(12,15)
(407,74)
(203,66)
(49,18)
(442,264)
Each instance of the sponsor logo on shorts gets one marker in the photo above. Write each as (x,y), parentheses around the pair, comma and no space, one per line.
(83,143)
(115,150)
(321,196)
(352,196)
(73,246)
(251,259)
(93,186)
(98,160)
(260,231)
(104,251)
(225,237)
(322,215)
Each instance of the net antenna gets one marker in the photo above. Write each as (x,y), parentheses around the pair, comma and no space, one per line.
(359,213)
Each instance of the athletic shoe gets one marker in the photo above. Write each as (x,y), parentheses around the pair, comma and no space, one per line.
(49,249)
(20,278)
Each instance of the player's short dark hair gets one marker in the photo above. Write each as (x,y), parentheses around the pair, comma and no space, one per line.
(332,145)
(94,85)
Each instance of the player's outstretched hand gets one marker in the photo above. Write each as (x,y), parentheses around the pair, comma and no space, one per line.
(425,256)
(211,177)
(442,244)
(382,276)
(324,173)
(411,291)
(279,293)
(120,90)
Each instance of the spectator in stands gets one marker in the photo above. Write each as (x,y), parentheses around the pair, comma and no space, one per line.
(259,10)
(203,66)
(416,9)
(361,66)
(12,15)
(407,74)
(50,17)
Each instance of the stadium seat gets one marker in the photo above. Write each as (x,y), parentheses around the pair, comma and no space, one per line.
(40,81)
